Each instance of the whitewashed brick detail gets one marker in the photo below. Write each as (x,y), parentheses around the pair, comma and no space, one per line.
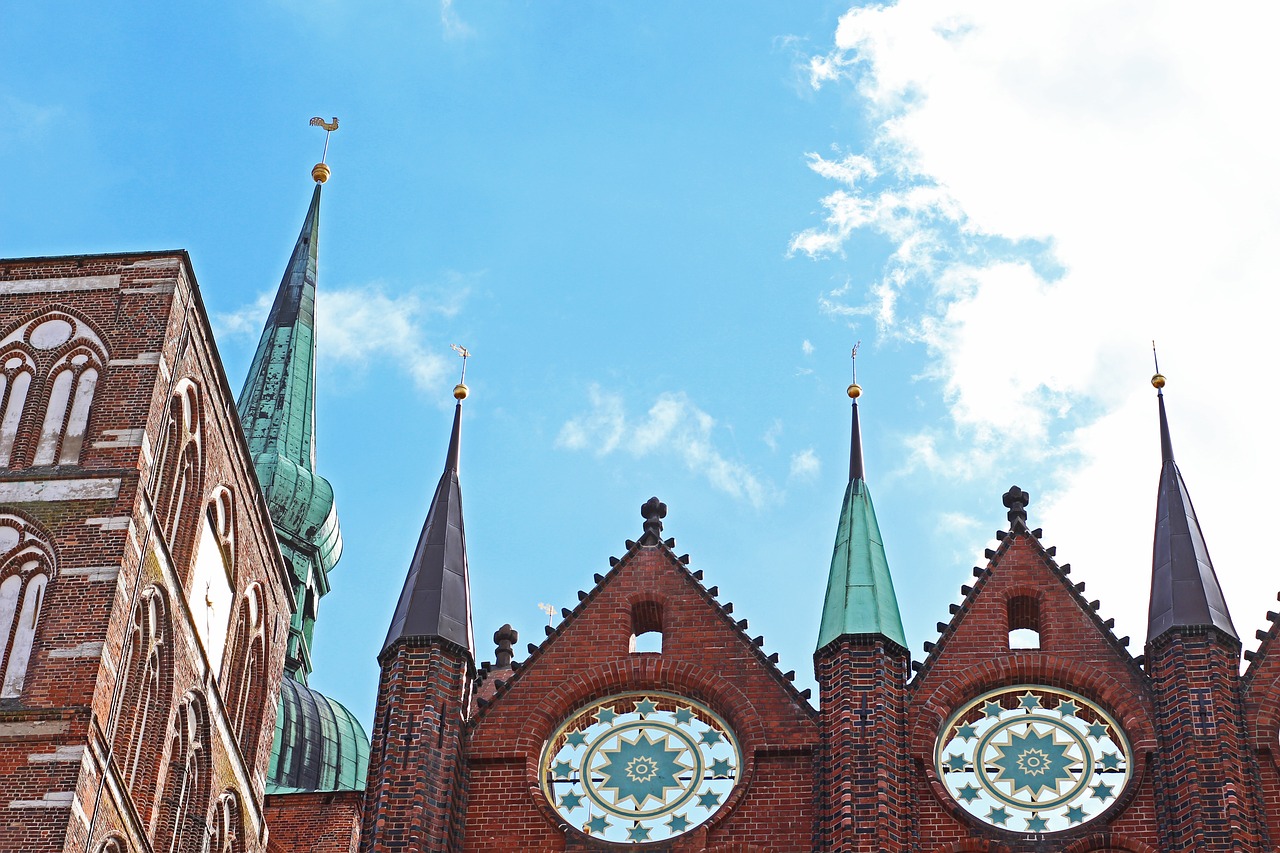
(142,359)
(166,287)
(56,285)
(51,800)
(121,438)
(93,574)
(84,650)
(115,522)
(61,753)
(97,488)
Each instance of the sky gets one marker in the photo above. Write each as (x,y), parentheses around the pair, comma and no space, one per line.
(661,227)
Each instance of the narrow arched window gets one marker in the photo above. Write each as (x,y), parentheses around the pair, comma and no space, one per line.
(245,676)
(183,806)
(646,627)
(225,825)
(26,565)
(15,382)
(211,593)
(143,702)
(1024,622)
(177,482)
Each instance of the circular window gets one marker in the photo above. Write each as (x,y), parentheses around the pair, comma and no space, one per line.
(640,767)
(1033,759)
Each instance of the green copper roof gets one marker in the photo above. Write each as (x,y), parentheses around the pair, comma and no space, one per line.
(277,407)
(319,745)
(860,597)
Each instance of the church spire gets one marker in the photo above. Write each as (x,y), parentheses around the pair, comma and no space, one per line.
(277,411)
(1184,587)
(436,599)
(860,598)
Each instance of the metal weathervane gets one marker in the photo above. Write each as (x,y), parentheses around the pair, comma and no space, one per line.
(329,127)
(466,354)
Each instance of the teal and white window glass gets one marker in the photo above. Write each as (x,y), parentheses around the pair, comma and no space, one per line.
(640,767)
(1033,759)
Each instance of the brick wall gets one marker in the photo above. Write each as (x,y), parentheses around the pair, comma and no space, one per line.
(324,822)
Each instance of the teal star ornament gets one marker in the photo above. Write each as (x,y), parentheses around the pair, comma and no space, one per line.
(683,716)
(968,793)
(642,769)
(992,709)
(1033,762)
(1075,814)
(1035,823)
(1068,707)
(1102,791)
(708,799)
(571,801)
(677,823)
(638,833)
(596,826)
(956,763)
(575,739)
(1029,701)
(998,815)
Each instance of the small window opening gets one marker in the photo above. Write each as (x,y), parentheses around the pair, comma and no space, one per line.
(646,627)
(1024,622)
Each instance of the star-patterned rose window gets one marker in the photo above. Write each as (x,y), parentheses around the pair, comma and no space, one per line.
(1033,759)
(640,767)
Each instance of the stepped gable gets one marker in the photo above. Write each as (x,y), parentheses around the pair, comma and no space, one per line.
(706,656)
(1022,585)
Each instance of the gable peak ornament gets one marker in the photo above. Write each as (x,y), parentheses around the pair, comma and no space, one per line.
(1016,500)
(653,511)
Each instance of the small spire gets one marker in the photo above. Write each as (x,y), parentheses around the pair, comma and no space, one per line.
(505,638)
(1185,592)
(652,511)
(855,433)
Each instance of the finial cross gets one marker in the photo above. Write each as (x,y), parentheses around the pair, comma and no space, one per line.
(653,511)
(1016,500)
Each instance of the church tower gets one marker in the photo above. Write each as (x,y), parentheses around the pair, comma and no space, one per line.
(416,795)
(861,665)
(1193,659)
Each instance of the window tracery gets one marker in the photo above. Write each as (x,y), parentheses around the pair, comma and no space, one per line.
(63,359)
(182,819)
(145,696)
(178,467)
(246,673)
(26,566)
(224,825)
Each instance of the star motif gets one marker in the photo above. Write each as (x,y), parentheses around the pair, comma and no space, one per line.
(596,826)
(570,801)
(606,715)
(998,815)
(641,769)
(711,737)
(561,769)
(1109,761)
(966,732)
(1102,791)
(1035,823)
(575,739)
(638,833)
(683,716)
(645,707)
(677,824)
(955,763)
(992,709)
(1033,762)
(1068,707)
(968,793)
(1075,814)
(1098,731)
(1029,701)
(720,767)
(708,799)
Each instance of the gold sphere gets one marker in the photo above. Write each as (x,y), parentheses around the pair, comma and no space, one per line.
(460,391)
(855,391)
(1157,381)
(320,173)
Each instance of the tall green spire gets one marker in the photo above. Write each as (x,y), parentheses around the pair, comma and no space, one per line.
(277,411)
(860,598)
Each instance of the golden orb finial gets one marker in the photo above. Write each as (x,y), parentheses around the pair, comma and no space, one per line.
(855,391)
(320,173)
(1157,381)
(460,392)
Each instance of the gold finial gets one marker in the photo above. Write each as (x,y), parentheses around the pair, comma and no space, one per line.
(461,390)
(855,390)
(320,171)
(1157,381)
(550,611)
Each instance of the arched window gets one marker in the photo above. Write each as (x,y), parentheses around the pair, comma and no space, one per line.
(646,626)
(26,566)
(1024,622)
(245,675)
(184,804)
(65,358)
(224,825)
(178,470)
(211,592)
(143,702)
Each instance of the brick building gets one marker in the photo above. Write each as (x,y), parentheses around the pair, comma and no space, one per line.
(163,552)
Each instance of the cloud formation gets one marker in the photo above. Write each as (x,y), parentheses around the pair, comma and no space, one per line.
(673,426)
(1062,182)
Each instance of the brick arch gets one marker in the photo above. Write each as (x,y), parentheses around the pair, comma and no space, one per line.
(644,672)
(1109,842)
(972,845)
(737,848)
(1264,728)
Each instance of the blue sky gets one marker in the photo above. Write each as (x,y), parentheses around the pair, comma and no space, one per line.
(660,228)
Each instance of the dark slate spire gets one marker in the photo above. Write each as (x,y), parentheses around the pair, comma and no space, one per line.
(860,597)
(1184,588)
(436,599)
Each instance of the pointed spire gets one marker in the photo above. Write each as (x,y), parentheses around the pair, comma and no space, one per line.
(436,599)
(1184,587)
(860,598)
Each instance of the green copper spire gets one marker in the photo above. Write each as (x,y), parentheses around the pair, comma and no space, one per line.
(277,410)
(860,599)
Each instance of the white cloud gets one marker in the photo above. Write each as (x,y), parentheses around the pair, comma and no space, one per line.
(1063,181)
(805,465)
(673,427)
(806,347)
(454,26)
(361,327)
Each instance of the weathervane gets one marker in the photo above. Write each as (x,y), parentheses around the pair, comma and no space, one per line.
(460,390)
(855,390)
(320,172)
(1158,380)
(550,611)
